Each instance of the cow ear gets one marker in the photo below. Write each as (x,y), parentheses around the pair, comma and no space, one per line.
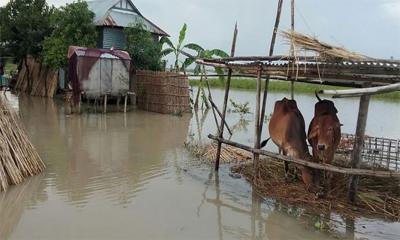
(313,133)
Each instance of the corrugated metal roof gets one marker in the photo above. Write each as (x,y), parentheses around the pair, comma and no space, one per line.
(106,15)
(98,53)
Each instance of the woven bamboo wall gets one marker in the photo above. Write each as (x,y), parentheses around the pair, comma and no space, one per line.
(162,92)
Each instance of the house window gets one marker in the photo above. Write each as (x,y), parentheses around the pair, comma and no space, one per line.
(124,4)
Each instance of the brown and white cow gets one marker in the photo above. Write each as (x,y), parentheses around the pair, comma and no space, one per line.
(324,133)
(287,131)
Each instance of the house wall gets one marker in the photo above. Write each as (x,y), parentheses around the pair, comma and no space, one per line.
(113,37)
(109,37)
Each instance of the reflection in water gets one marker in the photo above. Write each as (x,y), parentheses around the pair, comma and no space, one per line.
(266,220)
(14,201)
(92,152)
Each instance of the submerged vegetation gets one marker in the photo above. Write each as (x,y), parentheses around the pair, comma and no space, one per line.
(282,86)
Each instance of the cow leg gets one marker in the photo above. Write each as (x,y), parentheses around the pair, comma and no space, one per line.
(328,181)
(289,177)
(285,164)
(307,177)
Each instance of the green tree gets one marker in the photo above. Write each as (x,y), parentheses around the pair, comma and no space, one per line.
(145,52)
(177,49)
(72,25)
(24,25)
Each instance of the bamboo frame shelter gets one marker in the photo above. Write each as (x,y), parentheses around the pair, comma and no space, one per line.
(333,66)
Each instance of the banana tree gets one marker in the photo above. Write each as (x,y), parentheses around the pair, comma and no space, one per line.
(204,53)
(175,49)
(200,69)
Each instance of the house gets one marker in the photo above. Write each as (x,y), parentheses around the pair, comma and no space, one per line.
(112,16)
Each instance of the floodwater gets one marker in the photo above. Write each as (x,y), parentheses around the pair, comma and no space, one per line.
(129,176)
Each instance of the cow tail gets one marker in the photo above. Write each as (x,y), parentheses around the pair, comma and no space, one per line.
(316,94)
(264,143)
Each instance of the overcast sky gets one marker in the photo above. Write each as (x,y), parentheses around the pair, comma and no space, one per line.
(371,27)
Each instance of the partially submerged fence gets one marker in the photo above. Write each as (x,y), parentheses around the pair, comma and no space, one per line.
(162,92)
(376,152)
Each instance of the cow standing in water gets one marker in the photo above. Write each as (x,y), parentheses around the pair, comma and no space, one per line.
(324,134)
(287,131)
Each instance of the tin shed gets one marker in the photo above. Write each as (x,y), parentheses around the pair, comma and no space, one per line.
(98,72)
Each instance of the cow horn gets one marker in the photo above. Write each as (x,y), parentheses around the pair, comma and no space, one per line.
(316,94)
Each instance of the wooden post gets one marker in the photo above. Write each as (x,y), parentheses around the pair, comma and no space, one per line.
(358,144)
(80,103)
(125,102)
(118,101)
(257,135)
(227,87)
(271,52)
(105,104)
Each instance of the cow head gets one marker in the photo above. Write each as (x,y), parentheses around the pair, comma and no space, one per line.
(326,131)
(285,105)
(324,107)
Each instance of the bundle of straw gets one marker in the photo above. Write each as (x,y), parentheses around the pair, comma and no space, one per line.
(18,157)
(328,52)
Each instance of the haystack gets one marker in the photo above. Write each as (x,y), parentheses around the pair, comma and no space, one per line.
(18,157)
(326,51)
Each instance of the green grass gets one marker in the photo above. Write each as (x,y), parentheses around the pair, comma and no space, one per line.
(283,86)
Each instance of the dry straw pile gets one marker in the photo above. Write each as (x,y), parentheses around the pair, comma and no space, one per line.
(377,196)
(18,157)
(326,52)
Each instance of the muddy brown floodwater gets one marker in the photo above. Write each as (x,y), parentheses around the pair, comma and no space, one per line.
(129,176)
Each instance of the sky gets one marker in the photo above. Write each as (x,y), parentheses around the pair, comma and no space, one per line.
(370,27)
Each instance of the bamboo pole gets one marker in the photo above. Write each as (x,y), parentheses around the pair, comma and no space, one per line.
(105,104)
(291,64)
(227,87)
(358,144)
(271,52)
(210,99)
(215,108)
(321,166)
(257,124)
(362,91)
(125,102)
(220,115)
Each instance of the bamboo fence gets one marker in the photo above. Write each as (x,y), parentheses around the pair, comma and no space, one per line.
(162,92)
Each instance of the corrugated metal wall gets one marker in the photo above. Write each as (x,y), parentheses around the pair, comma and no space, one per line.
(113,37)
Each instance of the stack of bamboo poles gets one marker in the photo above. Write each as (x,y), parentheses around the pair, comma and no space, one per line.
(18,157)
(43,80)
(303,42)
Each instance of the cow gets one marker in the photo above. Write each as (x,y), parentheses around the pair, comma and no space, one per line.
(324,135)
(287,131)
